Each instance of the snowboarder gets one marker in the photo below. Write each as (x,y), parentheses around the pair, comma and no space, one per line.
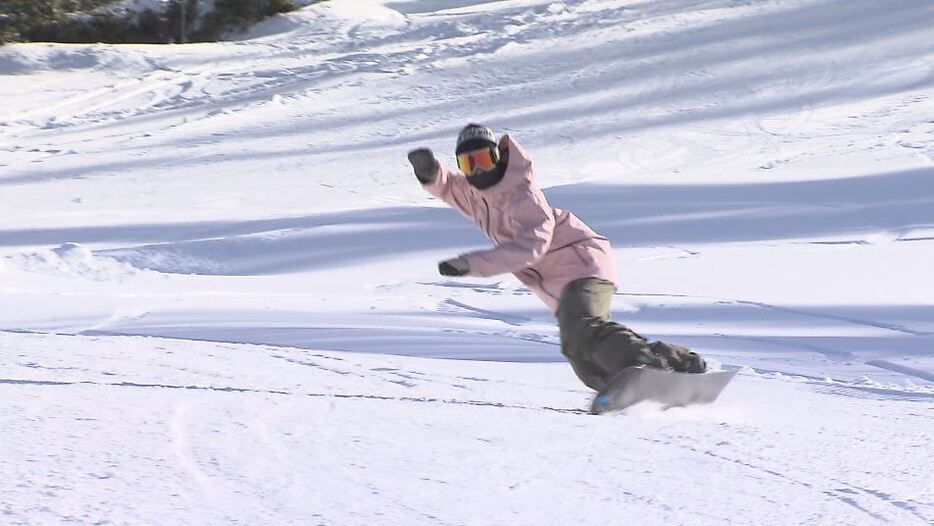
(558,257)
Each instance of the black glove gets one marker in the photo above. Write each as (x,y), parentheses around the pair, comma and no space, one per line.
(453,267)
(425,165)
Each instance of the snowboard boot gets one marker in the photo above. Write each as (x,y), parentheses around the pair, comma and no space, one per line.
(678,358)
(649,357)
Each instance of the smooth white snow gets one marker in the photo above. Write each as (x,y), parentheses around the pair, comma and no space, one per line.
(218,292)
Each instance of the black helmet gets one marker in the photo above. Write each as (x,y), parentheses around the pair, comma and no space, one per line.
(474,137)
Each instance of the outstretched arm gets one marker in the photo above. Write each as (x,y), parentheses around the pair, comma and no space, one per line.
(450,187)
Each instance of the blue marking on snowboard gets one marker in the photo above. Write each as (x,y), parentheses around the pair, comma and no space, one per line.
(637,384)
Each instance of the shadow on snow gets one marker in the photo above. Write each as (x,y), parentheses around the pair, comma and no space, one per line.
(896,203)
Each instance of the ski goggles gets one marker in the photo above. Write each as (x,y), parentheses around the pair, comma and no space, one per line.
(482,160)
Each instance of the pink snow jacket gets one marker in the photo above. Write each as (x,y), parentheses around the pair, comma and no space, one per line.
(545,248)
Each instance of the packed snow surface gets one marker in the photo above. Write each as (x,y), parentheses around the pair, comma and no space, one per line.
(219,301)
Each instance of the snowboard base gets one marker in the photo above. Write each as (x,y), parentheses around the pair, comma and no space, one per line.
(637,384)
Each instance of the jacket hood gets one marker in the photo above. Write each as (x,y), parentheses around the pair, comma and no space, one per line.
(518,169)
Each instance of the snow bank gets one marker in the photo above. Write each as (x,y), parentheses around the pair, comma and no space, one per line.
(24,59)
(73,260)
(350,18)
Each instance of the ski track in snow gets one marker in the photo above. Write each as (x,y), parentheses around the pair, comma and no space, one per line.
(218,301)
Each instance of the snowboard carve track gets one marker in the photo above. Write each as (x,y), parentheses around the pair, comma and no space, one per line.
(345,396)
(903,505)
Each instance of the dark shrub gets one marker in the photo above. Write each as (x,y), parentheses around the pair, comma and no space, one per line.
(182,21)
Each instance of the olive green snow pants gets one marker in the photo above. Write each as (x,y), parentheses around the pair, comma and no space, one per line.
(598,348)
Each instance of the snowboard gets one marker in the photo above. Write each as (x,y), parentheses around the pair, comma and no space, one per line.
(637,384)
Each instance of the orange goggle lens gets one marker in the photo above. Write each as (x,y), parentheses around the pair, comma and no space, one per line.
(482,160)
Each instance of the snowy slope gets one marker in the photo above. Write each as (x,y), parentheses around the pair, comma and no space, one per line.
(151,431)
(765,171)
